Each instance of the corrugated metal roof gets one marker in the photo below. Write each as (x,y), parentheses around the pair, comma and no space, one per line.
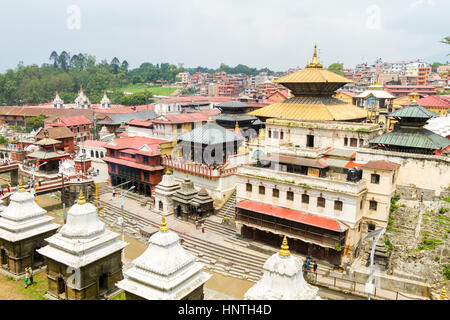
(310,75)
(232,104)
(311,108)
(209,134)
(413,111)
(126,117)
(412,138)
(234,117)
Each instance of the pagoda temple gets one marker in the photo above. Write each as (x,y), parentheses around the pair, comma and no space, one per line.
(24,226)
(282,279)
(165,271)
(48,152)
(409,134)
(83,258)
(235,113)
(182,200)
(313,89)
(164,192)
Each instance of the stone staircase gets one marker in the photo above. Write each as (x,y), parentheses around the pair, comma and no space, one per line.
(228,209)
(220,228)
(216,257)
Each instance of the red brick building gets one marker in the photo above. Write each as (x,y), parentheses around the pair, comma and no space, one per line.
(135,161)
(79,125)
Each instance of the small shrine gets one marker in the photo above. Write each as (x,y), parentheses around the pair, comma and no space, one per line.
(83,258)
(105,102)
(50,151)
(164,192)
(24,226)
(235,112)
(409,134)
(282,279)
(82,101)
(203,204)
(58,102)
(182,200)
(83,162)
(165,271)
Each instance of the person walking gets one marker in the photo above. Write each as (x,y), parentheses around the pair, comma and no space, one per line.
(315,266)
(25,278)
(114,193)
(308,261)
(203,228)
(30,275)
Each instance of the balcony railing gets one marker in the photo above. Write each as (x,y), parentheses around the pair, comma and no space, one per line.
(198,169)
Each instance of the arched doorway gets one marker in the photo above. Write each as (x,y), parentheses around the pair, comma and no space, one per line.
(178,211)
(161,206)
(96,154)
(61,287)
(92,153)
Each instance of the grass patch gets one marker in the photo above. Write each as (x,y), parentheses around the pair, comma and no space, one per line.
(388,244)
(141,87)
(119,297)
(446,271)
(37,290)
(446,199)
(443,210)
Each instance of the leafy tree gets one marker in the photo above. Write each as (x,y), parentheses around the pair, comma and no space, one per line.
(34,123)
(435,66)
(115,63)
(125,65)
(135,99)
(336,68)
(54,58)
(3,140)
(64,60)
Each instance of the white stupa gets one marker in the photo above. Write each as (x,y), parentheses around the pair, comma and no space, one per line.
(83,239)
(82,101)
(164,191)
(165,271)
(58,102)
(24,219)
(282,279)
(105,102)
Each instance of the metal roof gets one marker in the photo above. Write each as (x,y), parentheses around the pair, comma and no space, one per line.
(234,117)
(311,108)
(413,138)
(209,134)
(232,104)
(413,111)
(310,75)
(126,117)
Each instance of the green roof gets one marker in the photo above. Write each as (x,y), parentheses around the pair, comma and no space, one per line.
(413,111)
(209,134)
(47,154)
(412,138)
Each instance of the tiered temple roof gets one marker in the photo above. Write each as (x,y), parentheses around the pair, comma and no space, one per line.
(186,193)
(282,279)
(165,271)
(23,218)
(83,239)
(312,88)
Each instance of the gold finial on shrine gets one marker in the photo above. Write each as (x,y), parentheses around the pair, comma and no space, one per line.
(168,171)
(46,133)
(237,126)
(163,227)
(315,61)
(261,134)
(443,294)
(81,199)
(284,252)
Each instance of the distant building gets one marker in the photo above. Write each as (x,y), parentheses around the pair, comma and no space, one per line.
(79,125)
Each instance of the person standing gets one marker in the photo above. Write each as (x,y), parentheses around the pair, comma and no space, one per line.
(114,193)
(315,266)
(25,278)
(203,228)
(196,224)
(308,261)
(30,275)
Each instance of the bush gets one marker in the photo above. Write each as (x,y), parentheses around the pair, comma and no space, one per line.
(388,244)
(443,210)
(446,271)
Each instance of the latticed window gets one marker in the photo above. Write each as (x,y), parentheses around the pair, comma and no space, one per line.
(290,195)
(275,193)
(338,205)
(262,190)
(375,178)
(248,187)
(321,202)
(305,198)
(373,205)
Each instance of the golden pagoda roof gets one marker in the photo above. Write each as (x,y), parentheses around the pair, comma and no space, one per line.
(313,73)
(46,141)
(311,108)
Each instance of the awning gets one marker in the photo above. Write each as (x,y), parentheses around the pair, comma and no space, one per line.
(132,164)
(292,215)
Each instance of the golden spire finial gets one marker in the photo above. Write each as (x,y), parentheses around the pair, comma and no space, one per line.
(46,133)
(237,126)
(261,134)
(168,171)
(284,252)
(315,61)
(81,199)
(163,227)
(443,294)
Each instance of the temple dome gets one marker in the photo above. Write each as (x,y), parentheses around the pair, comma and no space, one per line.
(282,279)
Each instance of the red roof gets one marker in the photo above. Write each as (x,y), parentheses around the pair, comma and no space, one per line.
(183,117)
(133,164)
(73,121)
(381,165)
(435,101)
(293,215)
(141,123)
(94,144)
(136,143)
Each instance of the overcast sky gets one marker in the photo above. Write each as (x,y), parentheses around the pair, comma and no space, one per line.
(278,34)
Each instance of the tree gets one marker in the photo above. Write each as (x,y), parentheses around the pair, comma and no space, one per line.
(446,40)
(336,68)
(125,65)
(35,122)
(435,66)
(64,60)
(115,64)
(54,58)
(3,140)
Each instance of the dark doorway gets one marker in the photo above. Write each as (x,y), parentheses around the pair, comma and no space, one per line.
(103,284)
(310,141)
(38,259)
(161,206)
(179,211)
(4,257)
(61,287)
